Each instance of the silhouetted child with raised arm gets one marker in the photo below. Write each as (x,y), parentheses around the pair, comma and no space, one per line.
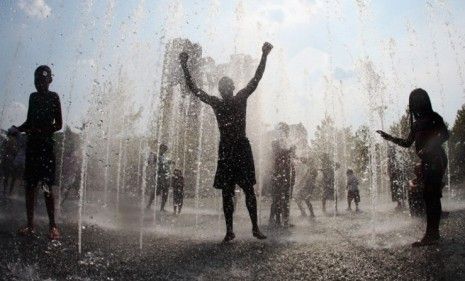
(177,181)
(353,193)
(43,119)
(428,131)
(235,159)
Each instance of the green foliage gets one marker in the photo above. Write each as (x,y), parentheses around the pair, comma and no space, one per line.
(351,148)
(457,148)
(324,138)
(360,156)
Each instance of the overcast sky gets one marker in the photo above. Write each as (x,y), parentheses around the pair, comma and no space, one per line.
(323,49)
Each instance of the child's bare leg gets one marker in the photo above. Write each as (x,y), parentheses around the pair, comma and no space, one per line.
(30,198)
(301,208)
(50,205)
(310,207)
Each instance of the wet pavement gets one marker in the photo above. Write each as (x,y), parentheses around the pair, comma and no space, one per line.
(349,246)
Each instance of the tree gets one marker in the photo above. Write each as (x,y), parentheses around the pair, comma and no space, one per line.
(323,143)
(360,152)
(457,148)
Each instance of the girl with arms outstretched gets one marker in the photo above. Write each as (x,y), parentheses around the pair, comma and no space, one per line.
(428,131)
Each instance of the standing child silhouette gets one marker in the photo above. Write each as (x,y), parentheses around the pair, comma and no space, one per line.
(43,119)
(428,132)
(235,159)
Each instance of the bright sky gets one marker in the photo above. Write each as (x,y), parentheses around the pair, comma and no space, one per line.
(322,49)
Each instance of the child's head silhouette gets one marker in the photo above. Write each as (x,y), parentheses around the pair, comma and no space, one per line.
(226,87)
(42,78)
(419,103)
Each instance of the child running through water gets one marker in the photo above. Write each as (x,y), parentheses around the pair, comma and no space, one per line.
(306,182)
(43,119)
(428,131)
(352,190)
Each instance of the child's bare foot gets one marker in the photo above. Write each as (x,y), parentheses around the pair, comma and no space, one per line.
(26,231)
(54,233)
(229,236)
(426,241)
(257,234)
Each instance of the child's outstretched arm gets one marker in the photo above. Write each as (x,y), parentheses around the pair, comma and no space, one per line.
(399,141)
(253,84)
(203,96)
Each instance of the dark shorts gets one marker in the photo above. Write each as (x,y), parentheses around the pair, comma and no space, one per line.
(353,195)
(235,165)
(178,197)
(40,161)
(328,193)
(163,186)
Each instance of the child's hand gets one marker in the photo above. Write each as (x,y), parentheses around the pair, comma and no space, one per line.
(266,49)
(384,135)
